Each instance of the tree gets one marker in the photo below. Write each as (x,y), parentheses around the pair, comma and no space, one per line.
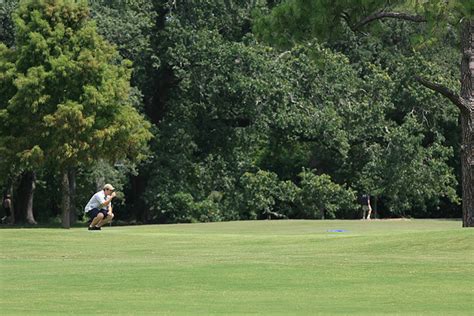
(236,107)
(6,24)
(128,25)
(296,20)
(69,95)
(319,197)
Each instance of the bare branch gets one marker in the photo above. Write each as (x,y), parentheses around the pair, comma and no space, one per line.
(451,95)
(283,54)
(393,15)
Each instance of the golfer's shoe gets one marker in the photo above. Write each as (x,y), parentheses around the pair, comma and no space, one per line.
(94,228)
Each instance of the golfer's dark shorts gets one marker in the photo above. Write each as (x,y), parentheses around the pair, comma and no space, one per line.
(93,213)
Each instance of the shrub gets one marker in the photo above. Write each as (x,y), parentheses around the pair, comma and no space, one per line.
(319,197)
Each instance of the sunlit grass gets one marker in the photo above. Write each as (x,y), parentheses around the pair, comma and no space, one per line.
(417,267)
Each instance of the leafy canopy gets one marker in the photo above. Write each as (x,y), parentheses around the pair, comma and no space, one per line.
(66,95)
(297,20)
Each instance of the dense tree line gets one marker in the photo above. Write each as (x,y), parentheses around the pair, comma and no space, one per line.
(258,109)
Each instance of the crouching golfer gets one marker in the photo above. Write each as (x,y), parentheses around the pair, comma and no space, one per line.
(99,208)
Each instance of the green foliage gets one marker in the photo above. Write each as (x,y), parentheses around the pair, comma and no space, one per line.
(259,193)
(230,18)
(210,209)
(6,23)
(70,99)
(309,107)
(320,197)
(66,100)
(181,207)
(380,95)
(235,120)
(233,105)
(297,20)
(206,131)
(7,89)
(410,174)
(294,21)
(128,25)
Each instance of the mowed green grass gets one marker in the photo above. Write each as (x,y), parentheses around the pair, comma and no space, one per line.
(415,267)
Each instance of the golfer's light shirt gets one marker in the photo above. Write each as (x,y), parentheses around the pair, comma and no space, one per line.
(96,201)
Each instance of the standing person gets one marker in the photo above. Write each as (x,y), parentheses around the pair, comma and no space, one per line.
(7,207)
(366,207)
(99,208)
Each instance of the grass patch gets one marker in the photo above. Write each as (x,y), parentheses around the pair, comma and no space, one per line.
(416,267)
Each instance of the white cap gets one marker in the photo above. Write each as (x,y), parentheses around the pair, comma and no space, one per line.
(109,187)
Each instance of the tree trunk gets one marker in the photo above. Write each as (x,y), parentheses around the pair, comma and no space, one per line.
(65,201)
(72,196)
(25,197)
(467,165)
(467,122)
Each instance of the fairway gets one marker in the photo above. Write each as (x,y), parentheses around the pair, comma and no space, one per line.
(409,267)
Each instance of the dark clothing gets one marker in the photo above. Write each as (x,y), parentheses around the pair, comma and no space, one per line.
(364,199)
(94,212)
